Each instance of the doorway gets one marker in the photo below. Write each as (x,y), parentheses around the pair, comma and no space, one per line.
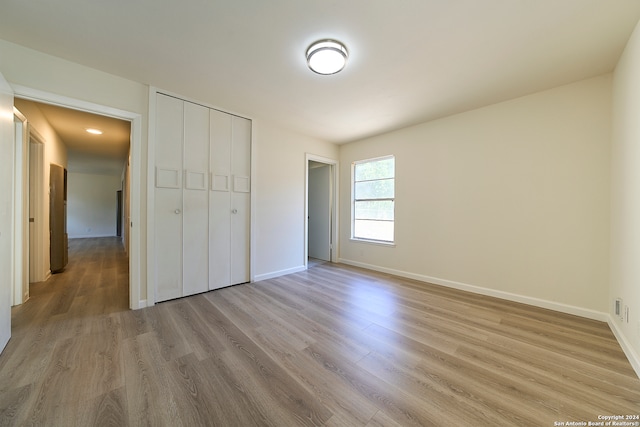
(134,176)
(320,210)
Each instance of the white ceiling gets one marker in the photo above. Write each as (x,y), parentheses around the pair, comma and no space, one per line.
(97,154)
(410,60)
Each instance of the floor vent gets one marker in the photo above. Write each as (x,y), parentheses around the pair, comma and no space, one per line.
(618,307)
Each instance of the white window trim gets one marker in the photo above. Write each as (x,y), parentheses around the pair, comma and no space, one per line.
(387,243)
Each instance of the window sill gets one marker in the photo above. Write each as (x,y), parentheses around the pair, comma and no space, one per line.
(374,242)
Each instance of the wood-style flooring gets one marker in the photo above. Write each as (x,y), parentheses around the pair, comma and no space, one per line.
(332,346)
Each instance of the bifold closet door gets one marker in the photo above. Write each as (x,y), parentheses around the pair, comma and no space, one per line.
(168,197)
(229,233)
(195,218)
(240,199)
(220,201)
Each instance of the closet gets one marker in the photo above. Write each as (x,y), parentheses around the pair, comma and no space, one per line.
(202,198)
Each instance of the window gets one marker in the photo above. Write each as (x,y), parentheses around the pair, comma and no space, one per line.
(373,199)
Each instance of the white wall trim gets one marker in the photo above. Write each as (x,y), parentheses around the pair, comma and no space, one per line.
(20,288)
(537,302)
(275,274)
(135,258)
(335,200)
(151,179)
(633,357)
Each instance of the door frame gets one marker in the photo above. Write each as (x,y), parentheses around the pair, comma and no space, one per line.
(26,137)
(333,164)
(135,224)
(36,184)
(21,209)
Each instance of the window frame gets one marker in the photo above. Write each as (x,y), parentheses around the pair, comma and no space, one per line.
(354,200)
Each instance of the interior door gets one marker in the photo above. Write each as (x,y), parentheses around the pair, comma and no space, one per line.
(220,196)
(6,208)
(57,218)
(240,199)
(319,199)
(168,198)
(195,276)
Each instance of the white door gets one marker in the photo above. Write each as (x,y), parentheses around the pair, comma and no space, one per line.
(220,201)
(229,227)
(202,198)
(168,198)
(6,209)
(319,210)
(36,211)
(195,200)
(240,199)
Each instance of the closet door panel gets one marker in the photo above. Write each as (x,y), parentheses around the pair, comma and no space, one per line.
(240,199)
(196,200)
(219,240)
(220,131)
(195,243)
(220,200)
(196,138)
(168,198)
(240,237)
(241,147)
(168,243)
(169,132)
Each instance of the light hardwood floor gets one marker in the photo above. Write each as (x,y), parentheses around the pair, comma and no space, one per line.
(333,346)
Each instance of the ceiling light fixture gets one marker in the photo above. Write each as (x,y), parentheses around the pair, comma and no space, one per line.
(94,131)
(327,56)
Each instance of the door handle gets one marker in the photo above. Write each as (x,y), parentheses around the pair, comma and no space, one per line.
(177,211)
(234,211)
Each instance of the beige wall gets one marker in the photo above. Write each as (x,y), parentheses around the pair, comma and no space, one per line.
(625,194)
(92,204)
(511,199)
(280,162)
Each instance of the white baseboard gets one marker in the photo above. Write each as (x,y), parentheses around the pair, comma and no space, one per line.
(537,302)
(633,357)
(628,350)
(275,274)
(142,304)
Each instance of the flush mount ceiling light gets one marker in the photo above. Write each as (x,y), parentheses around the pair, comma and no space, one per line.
(94,131)
(327,56)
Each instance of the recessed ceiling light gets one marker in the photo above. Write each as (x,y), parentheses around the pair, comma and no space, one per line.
(327,56)
(94,131)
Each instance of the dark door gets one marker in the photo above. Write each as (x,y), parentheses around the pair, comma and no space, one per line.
(58,218)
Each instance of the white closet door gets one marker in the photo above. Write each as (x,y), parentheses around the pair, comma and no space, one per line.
(168,198)
(195,200)
(240,199)
(220,201)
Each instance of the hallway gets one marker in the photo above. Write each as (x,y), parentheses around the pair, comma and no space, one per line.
(62,346)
